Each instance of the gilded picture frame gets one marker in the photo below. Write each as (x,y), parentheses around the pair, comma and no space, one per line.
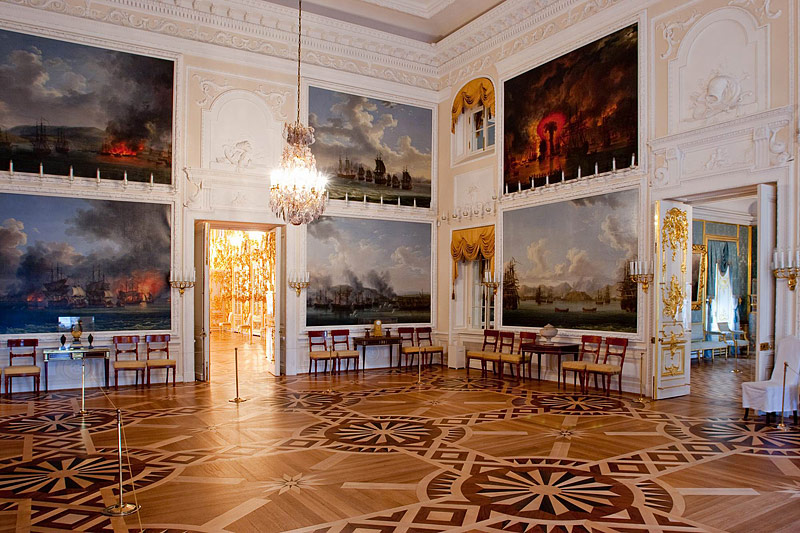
(699,275)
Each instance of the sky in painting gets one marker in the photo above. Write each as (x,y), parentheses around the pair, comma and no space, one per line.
(38,233)
(395,251)
(584,242)
(358,127)
(67,84)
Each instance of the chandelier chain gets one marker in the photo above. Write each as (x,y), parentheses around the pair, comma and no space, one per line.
(299,44)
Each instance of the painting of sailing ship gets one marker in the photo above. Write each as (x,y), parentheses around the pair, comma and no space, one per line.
(575,115)
(67,256)
(372,150)
(78,109)
(566,264)
(362,270)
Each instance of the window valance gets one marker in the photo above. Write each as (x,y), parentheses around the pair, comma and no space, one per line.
(470,244)
(478,91)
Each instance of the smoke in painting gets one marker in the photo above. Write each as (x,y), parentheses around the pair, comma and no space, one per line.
(70,256)
(367,269)
(71,107)
(566,264)
(372,149)
(579,111)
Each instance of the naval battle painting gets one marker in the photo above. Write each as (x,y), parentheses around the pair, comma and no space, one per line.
(566,264)
(372,150)
(574,116)
(91,258)
(362,270)
(75,110)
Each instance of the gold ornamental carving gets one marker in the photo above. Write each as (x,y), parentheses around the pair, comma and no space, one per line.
(672,297)
(673,352)
(675,233)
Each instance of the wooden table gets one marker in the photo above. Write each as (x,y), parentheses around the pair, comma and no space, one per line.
(559,349)
(384,340)
(75,354)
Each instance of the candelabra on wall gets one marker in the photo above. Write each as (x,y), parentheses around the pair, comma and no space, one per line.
(786,265)
(298,281)
(477,210)
(641,272)
(490,283)
(183,281)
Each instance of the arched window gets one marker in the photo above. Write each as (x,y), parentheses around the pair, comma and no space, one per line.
(473,119)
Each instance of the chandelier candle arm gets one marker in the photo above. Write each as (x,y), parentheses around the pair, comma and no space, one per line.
(641,272)
(299,281)
(786,265)
(183,281)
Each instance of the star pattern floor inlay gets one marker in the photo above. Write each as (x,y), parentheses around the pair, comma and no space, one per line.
(378,451)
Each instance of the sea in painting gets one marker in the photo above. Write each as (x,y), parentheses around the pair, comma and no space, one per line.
(372,150)
(576,113)
(71,106)
(566,264)
(91,258)
(362,270)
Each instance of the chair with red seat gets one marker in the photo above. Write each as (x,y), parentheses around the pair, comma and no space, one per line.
(22,348)
(158,346)
(127,346)
(339,338)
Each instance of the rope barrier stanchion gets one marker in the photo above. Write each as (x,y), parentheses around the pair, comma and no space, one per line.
(782,425)
(419,364)
(642,399)
(238,399)
(83,386)
(121,508)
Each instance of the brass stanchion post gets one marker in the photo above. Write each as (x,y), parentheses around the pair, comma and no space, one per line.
(236,371)
(642,399)
(782,426)
(121,508)
(419,365)
(83,386)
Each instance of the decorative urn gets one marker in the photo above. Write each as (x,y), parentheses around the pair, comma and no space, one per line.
(548,332)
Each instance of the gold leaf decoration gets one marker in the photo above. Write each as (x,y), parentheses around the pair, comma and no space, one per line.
(675,233)
(672,297)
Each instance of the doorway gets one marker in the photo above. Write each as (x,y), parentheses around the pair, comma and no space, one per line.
(241,301)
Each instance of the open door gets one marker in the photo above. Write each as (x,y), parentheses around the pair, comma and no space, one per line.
(274,359)
(673,292)
(201,315)
(764,302)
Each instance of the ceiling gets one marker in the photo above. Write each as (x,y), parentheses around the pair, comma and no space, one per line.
(426,21)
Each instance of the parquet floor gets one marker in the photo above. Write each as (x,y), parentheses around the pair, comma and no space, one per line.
(381,453)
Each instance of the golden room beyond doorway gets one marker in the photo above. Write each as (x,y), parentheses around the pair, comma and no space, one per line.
(241,301)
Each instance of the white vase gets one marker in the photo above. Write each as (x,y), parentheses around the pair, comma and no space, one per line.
(548,332)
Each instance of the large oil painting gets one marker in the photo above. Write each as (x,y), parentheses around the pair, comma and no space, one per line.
(82,110)
(362,270)
(371,148)
(576,113)
(566,263)
(90,258)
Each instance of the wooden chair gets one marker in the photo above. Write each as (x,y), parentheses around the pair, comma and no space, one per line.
(23,348)
(157,345)
(512,358)
(527,337)
(126,345)
(490,339)
(615,347)
(342,337)
(590,349)
(317,339)
(427,348)
(408,348)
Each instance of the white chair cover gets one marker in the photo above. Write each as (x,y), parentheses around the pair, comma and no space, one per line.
(766,395)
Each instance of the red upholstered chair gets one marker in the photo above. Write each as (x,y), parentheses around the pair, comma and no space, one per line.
(427,349)
(616,348)
(490,339)
(318,351)
(127,346)
(22,348)
(158,356)
(408,348)
(340,346)
(589,353)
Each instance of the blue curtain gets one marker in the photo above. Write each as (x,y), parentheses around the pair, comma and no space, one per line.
(724,254)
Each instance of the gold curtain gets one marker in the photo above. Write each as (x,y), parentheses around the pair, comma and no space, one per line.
(478,91)
(469,244)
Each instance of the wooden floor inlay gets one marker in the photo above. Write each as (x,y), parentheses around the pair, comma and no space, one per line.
(381,452)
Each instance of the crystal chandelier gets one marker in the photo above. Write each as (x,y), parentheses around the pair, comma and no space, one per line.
(297,192)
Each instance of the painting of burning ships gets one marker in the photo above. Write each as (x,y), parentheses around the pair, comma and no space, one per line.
(66,254)
(96,110)
(363,270)
(372,149)
(567,264)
